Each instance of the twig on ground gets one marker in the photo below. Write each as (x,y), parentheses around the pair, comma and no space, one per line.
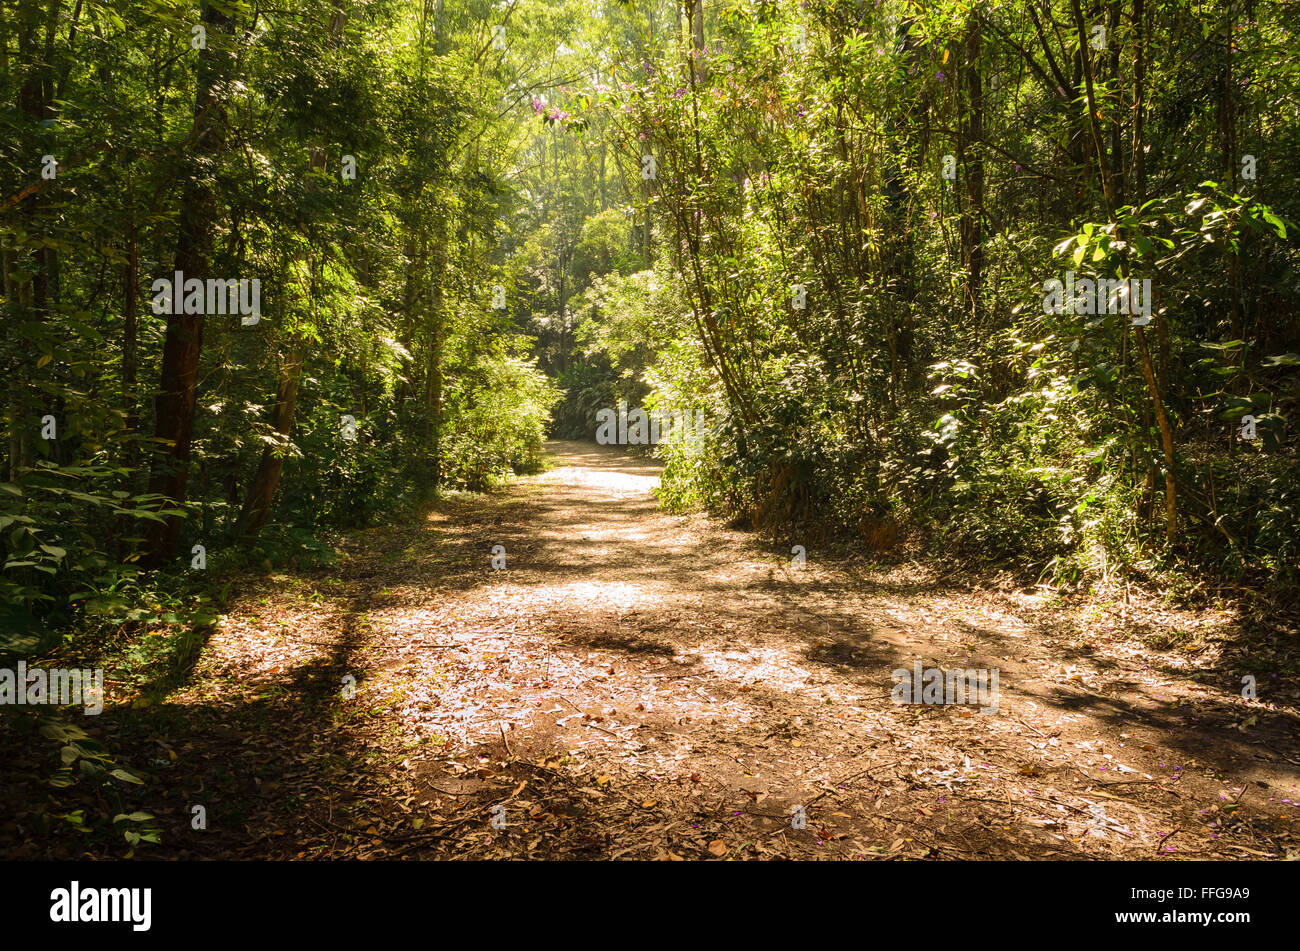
(1165,840)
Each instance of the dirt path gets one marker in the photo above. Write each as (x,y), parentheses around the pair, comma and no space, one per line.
(635,684)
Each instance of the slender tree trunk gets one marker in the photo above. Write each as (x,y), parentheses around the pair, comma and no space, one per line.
(1227,121)
(697,40)
(972,232)
(31,284)
(257,506)
(16,418)
(266,481)
(183,344)
(130,329)
(1139,103)
(1117,176)
(1148,366)
(1166,439)
(434,349)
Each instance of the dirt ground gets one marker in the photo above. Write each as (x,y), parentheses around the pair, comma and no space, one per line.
(641,685)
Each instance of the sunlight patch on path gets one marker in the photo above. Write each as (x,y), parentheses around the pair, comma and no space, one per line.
(610,480)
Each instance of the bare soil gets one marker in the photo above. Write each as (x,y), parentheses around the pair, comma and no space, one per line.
(640,685)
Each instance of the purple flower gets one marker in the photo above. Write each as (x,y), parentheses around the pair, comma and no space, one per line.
(679,93)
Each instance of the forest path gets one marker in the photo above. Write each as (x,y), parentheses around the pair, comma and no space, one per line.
(643,685)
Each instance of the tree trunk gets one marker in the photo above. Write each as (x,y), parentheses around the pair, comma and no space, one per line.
(1148,366)
(257,506)
(261,493)
(130,328)
(972,232)
(1166,438)
(1139,94)
(178,386)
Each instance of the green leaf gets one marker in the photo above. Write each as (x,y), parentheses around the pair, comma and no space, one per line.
(1283,360)
(1278,225)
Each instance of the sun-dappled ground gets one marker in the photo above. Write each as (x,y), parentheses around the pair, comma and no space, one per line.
(644,685)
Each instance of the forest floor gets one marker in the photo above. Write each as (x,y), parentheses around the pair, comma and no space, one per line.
(642,685)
